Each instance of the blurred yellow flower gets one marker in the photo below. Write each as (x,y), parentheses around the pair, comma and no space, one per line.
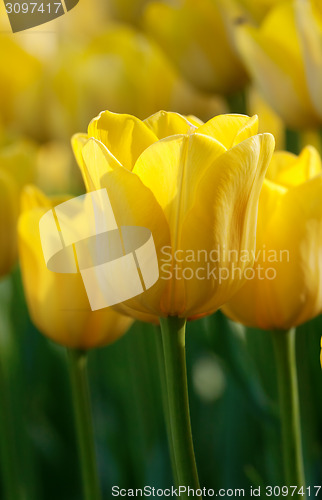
(194,186)
(269,121)
(286,289)
(16,169)
(120,69)
(273,56)
(57,302)
(195,35)
(19,71)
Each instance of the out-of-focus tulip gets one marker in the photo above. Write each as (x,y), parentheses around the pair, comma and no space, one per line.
(269,121)
(196,37)
(19,70)
(286,287)
(16,169)
(309,20)
(57,302)
(194,186)
(120,69)
(272,54)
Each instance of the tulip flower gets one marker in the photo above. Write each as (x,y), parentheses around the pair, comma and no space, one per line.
(19,71)
(273,56)
(195,187)
(285,289)
(288,247)
(16,169)
(119,68)
(58,302)
(196,37)
(269,121)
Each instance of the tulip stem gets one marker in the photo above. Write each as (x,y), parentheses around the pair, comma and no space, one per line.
(173,337)
(165,399)
(284,345)
(84,423)
(11,482)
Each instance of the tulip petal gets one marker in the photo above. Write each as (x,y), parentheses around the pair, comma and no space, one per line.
(32,197)
(229,130)
(135,205)
(310,31)
(78,141)
(290,170)
(97,160)
(172,168)
(194,120)
(163,124)
(125,136)
(277,72)
(223,218)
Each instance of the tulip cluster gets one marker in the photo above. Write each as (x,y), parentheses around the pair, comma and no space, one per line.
(190,100)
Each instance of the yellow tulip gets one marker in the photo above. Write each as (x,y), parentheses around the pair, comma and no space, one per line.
(269,121)
(273,56)
(286,289)
(57,302)
(121,69)
(194,186)
(196,36)
(16,169)
(19,71)
(56,172)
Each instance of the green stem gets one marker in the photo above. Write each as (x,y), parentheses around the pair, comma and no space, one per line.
(284,344)
(10,476)
(165,400)
(84,424)
(173,337)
